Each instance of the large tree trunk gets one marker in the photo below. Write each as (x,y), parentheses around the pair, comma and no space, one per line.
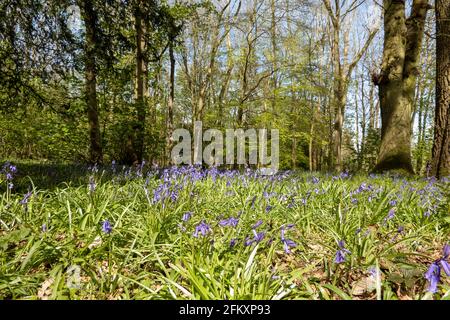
(90,19)
(397,81)
(441,145)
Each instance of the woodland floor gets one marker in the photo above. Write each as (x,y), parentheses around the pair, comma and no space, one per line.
(73,232)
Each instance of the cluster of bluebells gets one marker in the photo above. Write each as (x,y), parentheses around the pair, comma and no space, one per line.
(202,228)
(341,253)
(287,243)
(166,190)
(9,170)
(25,199)
(257,236)
(433,275)
(232,222)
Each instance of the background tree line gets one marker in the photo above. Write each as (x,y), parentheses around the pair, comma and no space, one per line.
(351,85)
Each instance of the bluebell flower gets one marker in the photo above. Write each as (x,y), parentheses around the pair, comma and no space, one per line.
(341,253)
(92,184)
(232,222)
(258,236)
(257,224)
(445,265)
(391,215)
(186,216)
(233,242)
(44,228)
(26,197)
(287,243)
(106,227)
(372,271)
(268,208)
(202,228)
(433,274)
(392,203)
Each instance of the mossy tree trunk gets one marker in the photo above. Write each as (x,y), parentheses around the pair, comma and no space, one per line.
(397,81)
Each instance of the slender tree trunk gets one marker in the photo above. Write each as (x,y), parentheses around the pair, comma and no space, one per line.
(170,102)
(397,82)
(363,125)
(342,70)
(419,136)
(274,54)
(441,145)
(141,87)
(90,20)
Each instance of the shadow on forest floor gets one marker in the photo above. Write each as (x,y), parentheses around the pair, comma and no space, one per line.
(51,175)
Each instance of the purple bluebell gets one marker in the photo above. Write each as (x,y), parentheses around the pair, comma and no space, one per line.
(202,228)
(344,175)
(258,237)
(268,208)
(433,275)
(391,215)
(186,216)
(372,271)
(444,263)
(233,242)
(232,222)
(106,227)
(26,197)
(257,224)
(341,253)
(92,184)
(291,204)
(287,243)
(44,228)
